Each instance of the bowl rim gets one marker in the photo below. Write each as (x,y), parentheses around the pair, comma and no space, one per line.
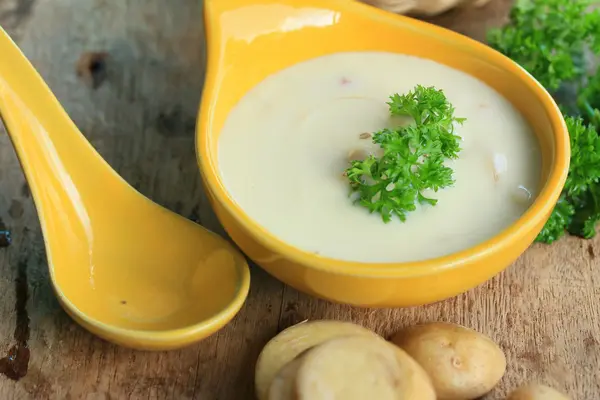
(535,215)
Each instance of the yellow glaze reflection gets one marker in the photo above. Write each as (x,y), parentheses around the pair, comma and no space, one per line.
(125,268)
(249,41)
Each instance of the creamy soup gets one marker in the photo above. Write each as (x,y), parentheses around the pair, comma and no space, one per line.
(285,145)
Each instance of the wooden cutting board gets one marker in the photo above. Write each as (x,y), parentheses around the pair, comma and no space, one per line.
(544,310)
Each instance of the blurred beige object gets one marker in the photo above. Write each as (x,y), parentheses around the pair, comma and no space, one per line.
(428,8)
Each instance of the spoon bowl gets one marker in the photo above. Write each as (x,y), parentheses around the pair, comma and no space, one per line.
(125,268)
(247,42)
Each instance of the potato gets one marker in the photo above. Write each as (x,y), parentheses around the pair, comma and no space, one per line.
(289,343)
(534,391)
(360,367)
(283,386)
(462,363)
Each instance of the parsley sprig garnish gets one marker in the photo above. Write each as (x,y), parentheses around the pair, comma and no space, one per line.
(412,156)
(549,38)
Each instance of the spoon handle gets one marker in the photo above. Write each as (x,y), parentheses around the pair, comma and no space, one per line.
(57,159)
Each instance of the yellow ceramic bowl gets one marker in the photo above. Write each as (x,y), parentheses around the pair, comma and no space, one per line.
(247,41)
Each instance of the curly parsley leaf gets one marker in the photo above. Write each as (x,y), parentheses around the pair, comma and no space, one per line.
(582,187)
(584,171)
(578,209)
(587,213)
(561,217)
(413,156)
(588,99)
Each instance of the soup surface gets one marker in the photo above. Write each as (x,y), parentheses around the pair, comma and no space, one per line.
(285,145)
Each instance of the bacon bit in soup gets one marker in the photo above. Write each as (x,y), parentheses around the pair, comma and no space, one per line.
(364,135)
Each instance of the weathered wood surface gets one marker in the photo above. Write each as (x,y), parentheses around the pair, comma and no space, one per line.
(544,310)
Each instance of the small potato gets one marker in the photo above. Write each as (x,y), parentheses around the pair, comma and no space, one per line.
(289,343)
(535,391)
(463,364)
(360,367)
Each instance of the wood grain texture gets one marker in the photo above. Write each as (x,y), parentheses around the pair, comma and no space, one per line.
(544,310)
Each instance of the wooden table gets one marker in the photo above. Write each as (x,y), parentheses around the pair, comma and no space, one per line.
(544,310)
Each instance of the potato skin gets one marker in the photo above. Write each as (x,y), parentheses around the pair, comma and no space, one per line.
(462,364)
(536,391)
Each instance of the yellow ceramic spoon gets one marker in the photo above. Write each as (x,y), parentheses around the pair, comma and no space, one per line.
(123,267)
